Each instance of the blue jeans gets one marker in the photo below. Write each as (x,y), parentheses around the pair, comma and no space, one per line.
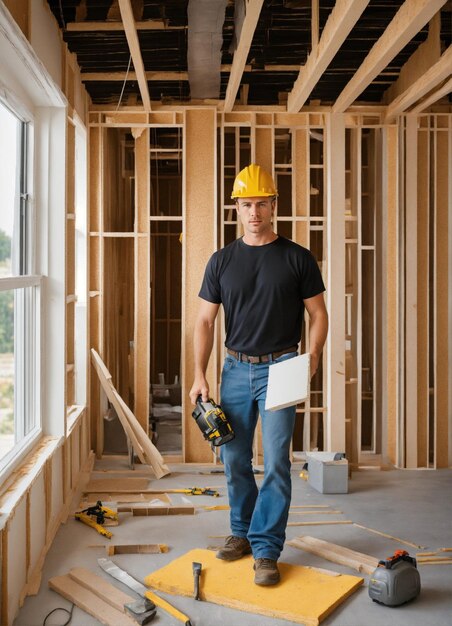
(258,514)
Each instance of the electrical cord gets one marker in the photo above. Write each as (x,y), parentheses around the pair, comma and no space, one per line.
(60,608)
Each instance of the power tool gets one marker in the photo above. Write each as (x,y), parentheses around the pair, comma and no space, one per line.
(212,422)
(396,580)
(95,516)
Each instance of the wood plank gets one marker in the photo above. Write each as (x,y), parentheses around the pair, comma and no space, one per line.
(144,548)
(143,446)
(335,345)
(391,271)
(441,296)
(200,219)
(425,55)
(378,532)
(141,338)
(139,511)
(101,588)
(407,22)
(88,601)
(428,81)
(253,10)
(335,553)
(340,22)
(105,380)
(434,97)
(135,51)
(422,337)
(411,300)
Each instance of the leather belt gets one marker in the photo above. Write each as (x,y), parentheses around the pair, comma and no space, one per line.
(264,358)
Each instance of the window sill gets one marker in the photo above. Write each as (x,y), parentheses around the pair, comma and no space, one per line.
(73,416)
(21,479)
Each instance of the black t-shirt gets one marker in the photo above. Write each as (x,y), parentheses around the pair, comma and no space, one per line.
(262,289)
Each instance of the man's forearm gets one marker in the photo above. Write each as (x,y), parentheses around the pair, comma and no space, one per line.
(203,344)
(318,330)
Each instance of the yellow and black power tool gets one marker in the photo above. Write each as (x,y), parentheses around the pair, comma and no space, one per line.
(212,422)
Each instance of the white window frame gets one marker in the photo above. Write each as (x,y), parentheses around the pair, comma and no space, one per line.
(29,91)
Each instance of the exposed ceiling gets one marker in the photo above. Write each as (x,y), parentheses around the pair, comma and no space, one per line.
(280,44)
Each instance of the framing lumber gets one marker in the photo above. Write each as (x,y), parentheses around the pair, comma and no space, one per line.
(335,553)
(427,82)
(100,587)
(422,338)
(135,52)
(253,10)
(342,18)
(442,194)
(434,97)
(81,27)
(314,24)
(141,443)
(391,281)
(411,300)
(407,22)
(89,601)
(335,348)
(144,548)
(132,76)
(142,304)
(378,532)
(199,224)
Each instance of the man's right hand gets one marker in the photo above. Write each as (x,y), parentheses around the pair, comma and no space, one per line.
(200,388)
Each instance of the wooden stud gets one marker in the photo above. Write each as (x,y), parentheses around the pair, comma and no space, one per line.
(422,289)
(335,347)
(86,26)
(200,230)
(411,298)
(141,351)
(441,294)
(391,360)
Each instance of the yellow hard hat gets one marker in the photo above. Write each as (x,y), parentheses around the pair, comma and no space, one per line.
(253,181)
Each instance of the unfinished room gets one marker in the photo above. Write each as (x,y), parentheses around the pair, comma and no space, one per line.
(184,184)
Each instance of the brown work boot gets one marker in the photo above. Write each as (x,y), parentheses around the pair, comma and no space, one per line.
(234,548)
(266,572)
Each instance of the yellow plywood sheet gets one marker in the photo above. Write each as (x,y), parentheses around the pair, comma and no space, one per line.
(304,595)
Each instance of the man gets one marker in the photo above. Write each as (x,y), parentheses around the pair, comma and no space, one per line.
(264,283)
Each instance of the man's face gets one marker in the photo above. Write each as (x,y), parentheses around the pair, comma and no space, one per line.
(256,214)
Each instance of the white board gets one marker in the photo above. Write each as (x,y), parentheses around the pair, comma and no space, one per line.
(288,383)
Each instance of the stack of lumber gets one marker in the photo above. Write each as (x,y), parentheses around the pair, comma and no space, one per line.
(142,445)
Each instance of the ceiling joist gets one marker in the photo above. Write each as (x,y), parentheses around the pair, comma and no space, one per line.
(80,27)
(134,46)
(175,76)
(338,26)
(434,97)
(409,19)
(253,10)
(132,76)
(428,81)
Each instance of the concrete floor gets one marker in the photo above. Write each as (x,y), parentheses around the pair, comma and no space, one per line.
(413,505)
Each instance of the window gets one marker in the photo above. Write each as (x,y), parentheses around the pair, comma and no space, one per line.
(19,291)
